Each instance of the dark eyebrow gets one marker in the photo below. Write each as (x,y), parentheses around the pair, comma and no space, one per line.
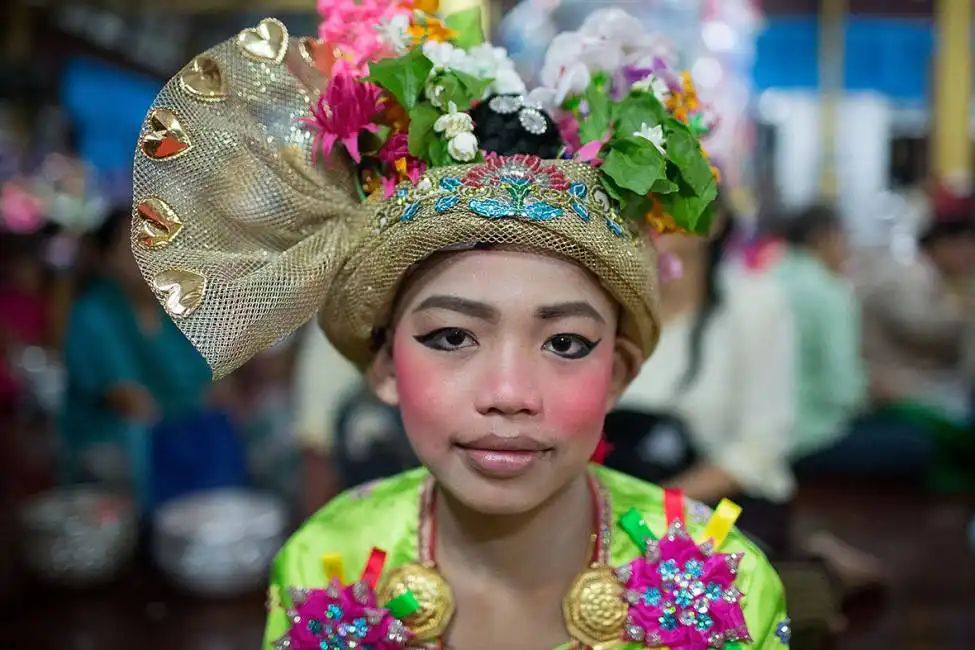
(460,305)
(568,310)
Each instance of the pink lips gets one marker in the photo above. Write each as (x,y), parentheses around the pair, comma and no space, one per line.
(500,457)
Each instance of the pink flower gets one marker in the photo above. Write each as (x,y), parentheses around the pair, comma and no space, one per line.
(342,112)
(569,130)
(589,152)
(396,154)
(352,26)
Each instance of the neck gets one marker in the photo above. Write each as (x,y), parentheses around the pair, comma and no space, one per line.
(685,293)
(547,546)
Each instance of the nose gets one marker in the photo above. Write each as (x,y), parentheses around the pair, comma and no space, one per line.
(508,384)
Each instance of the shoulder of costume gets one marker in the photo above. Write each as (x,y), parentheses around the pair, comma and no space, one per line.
(630,495)
(381,514)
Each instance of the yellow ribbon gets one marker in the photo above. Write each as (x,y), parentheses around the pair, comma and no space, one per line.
(332,564)
(721,523)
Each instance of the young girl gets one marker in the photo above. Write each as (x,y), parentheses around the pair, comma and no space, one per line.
(493,291)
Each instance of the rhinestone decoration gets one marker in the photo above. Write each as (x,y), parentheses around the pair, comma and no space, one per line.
(683,598)
(505,104)
(202,79)
(266,42)
(181,291)
(533,121)
(158,223)
(164,137)
(337,618)
(784,631)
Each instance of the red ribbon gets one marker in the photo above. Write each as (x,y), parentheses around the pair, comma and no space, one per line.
(603,449)
(374,567)
(673,506)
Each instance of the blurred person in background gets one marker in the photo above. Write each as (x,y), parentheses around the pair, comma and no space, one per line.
(347,436)
(831,383)
(916,319)
(128,369)
(711,412)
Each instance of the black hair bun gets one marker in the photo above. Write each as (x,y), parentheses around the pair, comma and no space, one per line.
(508,125)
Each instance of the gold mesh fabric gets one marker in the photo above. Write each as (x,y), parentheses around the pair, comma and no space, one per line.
(244,236)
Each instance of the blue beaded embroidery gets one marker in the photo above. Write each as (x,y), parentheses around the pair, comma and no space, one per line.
(784,631)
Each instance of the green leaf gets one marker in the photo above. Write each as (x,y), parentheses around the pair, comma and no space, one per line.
(422,119)
(664,186)
(404,77)
(634,164)
(684,151)
(690,212)
(475,87)
(438,156)
(635,110)
(597,122)
(469,27)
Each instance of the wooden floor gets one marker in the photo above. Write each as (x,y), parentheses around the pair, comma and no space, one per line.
(931,603)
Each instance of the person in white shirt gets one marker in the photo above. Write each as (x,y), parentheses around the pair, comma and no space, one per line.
(724,369)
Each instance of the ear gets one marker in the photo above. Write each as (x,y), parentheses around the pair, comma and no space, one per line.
(627,359)
(381,375)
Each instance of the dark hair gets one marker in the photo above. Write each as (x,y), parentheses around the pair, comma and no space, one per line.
(950,227)
(713,296)
(802,228)
(504,131)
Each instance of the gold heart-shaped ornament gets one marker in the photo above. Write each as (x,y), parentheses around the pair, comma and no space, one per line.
(202,79)
(158,223)
(181,291)
(266,42)
(164,137)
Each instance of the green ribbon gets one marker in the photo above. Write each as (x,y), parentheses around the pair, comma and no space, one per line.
(403,606)
(633,525)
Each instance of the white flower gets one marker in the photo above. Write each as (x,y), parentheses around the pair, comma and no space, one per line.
(508,82)
(454,123)
(653,84)
(654,135)
(444,56)
(463,147)
(613,24)
(434,93)
(394,33)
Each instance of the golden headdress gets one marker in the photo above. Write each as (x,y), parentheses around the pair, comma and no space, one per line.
(273,180)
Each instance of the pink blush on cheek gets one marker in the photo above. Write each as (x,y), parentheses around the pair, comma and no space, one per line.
(427,398)
(575,403)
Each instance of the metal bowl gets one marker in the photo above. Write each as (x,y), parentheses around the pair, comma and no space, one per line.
(219,543)
(78,537)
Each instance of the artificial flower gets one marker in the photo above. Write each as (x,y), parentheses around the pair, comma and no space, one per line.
(350,26)
(463,147)
(394,115)
(394,32)
(589,152)
(342,113)
(444,56)
(569,131)
(395,152)
(454,123)
(21,212)
(661,222)
(431,30)
(654,135)
(654,84)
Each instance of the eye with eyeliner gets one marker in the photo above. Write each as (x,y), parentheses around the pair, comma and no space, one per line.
(440,339)
(583,346)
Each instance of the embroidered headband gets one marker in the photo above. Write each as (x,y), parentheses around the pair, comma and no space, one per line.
(277,177)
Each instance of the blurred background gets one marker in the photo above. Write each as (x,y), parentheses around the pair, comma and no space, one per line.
(140,505)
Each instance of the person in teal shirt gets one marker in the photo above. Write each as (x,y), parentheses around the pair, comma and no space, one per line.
(834,433)
(831,380)
(128,368)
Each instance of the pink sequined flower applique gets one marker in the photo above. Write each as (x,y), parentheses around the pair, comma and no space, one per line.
(682,596)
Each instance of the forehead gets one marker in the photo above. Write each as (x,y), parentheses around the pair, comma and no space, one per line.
(507,278)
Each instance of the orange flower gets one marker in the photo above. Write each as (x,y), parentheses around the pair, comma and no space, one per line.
(394,116)
(430,29)
(371,183)
(661,221)
(427,6)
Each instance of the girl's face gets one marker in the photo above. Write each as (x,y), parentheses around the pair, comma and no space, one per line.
(504,364)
